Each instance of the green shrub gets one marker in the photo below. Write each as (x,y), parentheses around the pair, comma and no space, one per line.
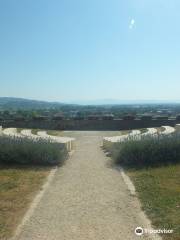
(148,151)
(18,150)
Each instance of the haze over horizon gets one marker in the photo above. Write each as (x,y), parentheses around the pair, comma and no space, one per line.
(80,51)
(91,102)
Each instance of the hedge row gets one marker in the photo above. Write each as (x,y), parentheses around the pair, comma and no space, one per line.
(148,152)
(18,150)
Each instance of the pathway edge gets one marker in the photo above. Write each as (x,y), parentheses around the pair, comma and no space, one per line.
(34,203)
(142,214)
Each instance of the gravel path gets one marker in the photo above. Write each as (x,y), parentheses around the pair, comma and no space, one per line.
(87,199)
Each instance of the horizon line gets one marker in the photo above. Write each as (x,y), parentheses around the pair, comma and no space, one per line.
(109,101)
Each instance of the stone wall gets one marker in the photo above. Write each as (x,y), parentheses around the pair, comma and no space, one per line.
(96,125)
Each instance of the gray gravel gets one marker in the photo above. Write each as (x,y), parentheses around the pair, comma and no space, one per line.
(87,199)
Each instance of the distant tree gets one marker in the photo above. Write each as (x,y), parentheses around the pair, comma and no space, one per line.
(6,113)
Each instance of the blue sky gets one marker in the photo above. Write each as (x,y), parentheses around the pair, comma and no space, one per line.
(66,50)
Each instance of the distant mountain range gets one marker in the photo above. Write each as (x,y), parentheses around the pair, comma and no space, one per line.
(123,102)
(21,103)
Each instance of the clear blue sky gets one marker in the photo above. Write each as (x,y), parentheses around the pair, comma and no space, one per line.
(68,50)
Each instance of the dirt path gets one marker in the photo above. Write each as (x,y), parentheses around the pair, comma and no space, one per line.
(87,199)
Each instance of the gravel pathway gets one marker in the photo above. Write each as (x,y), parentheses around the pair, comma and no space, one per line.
(87,199)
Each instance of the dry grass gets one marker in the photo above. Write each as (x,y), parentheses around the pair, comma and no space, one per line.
(19,130)
(55,133)
(17,189)
(124,132)
(143,130)
(159,192)
(49,132)
(35,130)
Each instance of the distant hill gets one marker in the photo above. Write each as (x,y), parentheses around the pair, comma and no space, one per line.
(21,103)
(12,103)
(104,102)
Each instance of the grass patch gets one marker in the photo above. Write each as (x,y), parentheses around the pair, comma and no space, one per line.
(19,130)
(153,164)
(159,192)
(17,189)
(55,133)
(23,168)
(34,131)
(143,130)
(125,132)
(17,150)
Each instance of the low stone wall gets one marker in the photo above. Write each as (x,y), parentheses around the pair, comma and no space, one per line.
(90,125)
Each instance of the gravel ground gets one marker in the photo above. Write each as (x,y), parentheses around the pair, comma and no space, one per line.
(87,199)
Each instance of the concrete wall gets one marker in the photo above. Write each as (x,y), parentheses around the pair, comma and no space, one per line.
(96,125)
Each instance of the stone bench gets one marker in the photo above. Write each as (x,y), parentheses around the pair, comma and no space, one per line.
(135,134)
(69,142)
(168,130)
(12,132)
